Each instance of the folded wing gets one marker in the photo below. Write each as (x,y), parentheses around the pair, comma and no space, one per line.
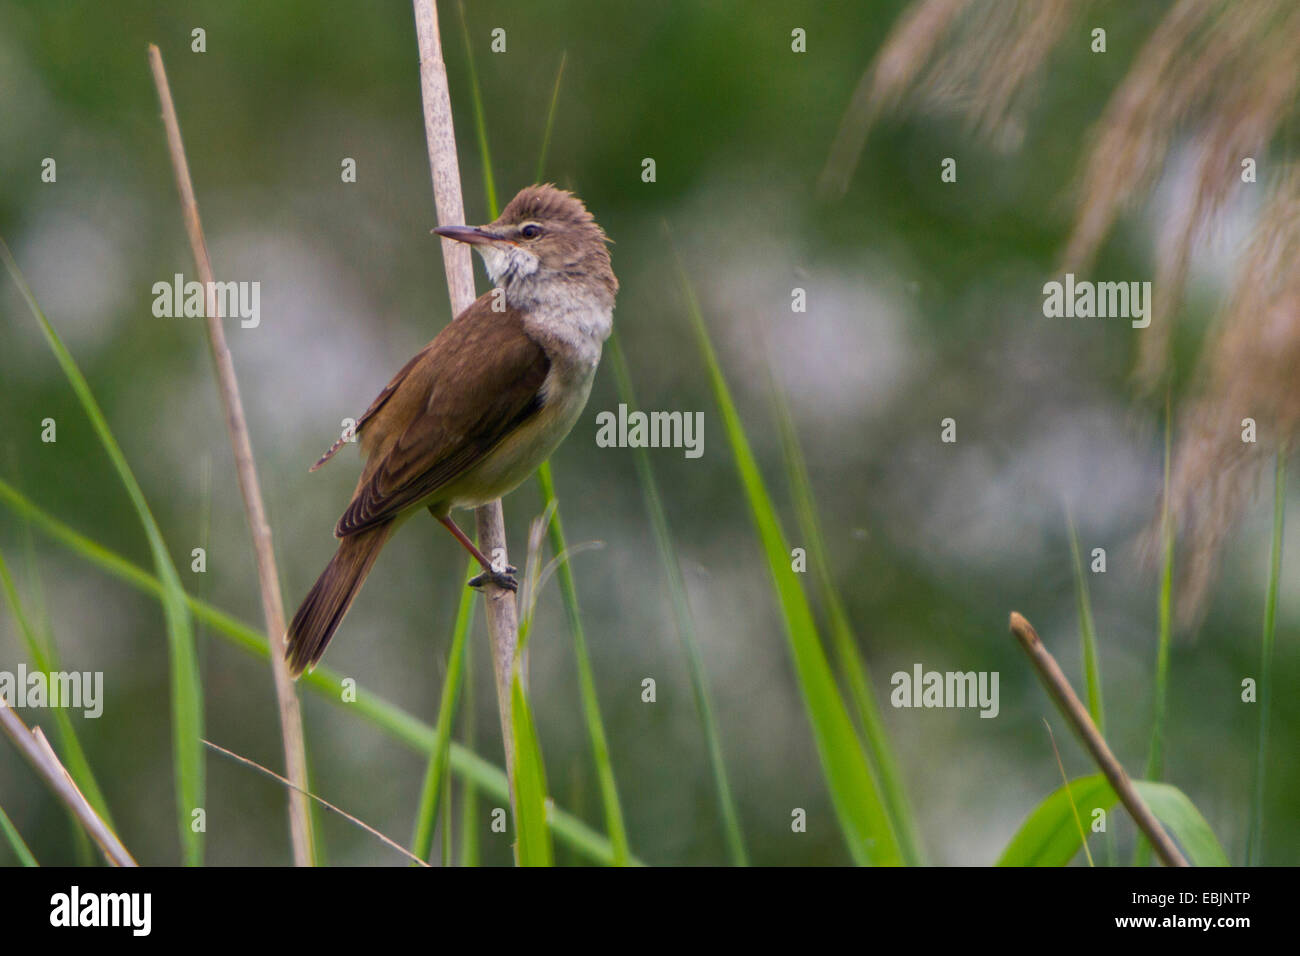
(470,388)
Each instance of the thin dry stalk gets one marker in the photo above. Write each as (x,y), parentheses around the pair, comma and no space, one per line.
(300,827)
(502,614)
(322,801)
(33,745)
(1067,701)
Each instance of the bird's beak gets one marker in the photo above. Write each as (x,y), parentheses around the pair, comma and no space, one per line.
(472,235)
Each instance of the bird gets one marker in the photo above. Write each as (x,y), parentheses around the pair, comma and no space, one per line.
(478,409)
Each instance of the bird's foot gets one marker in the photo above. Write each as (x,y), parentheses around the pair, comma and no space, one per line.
(503,579)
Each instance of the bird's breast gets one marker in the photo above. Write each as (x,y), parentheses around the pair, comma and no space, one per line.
(573,343)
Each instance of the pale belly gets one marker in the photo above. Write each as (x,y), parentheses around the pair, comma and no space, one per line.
(511,462)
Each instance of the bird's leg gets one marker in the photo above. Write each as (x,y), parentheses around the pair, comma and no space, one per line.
(502,579)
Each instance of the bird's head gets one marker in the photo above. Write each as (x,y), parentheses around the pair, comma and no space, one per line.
(544,243)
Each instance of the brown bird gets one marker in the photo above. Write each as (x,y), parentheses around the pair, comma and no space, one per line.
(482,405)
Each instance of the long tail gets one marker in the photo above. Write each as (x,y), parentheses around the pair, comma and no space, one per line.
(328,601)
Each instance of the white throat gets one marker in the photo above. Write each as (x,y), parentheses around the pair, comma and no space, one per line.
(506,265)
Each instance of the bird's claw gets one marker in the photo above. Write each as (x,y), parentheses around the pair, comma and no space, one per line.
(503,579)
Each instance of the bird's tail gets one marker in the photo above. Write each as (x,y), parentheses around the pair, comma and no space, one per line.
(328,601)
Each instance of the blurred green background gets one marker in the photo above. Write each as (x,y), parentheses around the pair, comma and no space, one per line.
(924,302)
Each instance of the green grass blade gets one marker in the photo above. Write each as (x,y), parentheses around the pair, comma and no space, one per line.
(550,120)
(1255,830)
(531,832)
(876,739)
(1065,781)
(73,756)
(1087,633)
(683,618)
(610,803)
(480,119)
(435,775)
(854,792)
(186,687)
(34,621)
(586,680)
(1155,762)
(37,612)
(1156,753)
(447,854)
(568,589)
(389,718)
(1088,650)
(1050,837)
(16,841)
(470,853)
(469,836)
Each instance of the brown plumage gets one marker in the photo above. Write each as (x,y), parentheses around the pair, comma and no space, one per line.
(481,406)
(323,609)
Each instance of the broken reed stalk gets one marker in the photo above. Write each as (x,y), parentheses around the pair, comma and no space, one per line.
(1059,689)
(33,745)
(295,759)
(502,614)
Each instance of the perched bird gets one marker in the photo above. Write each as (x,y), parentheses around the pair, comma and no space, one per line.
(479,408)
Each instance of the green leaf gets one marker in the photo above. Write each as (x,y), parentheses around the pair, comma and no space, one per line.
(1176,811)
(1050,837)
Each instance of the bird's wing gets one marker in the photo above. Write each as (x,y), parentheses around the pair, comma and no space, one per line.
(375,406)
(463,408)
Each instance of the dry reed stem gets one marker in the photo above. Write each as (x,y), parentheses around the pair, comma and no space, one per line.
(1067,701)
(300,826)
(502,614)
(33,745)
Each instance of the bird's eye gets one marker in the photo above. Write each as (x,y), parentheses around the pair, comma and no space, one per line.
(531,231)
